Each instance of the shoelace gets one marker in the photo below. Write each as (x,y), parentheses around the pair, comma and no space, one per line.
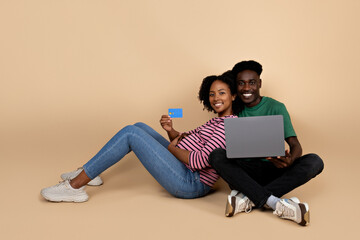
(248,206)
(60,182)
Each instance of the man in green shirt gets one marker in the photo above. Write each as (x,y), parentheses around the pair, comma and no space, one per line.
(261,182)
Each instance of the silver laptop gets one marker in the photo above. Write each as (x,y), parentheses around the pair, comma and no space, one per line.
(255,137)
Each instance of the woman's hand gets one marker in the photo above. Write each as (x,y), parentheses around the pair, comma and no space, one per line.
(166,123)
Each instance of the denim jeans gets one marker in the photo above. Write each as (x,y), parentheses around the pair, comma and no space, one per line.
(259,179)
(151,149)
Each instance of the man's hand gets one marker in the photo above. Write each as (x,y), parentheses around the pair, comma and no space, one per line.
(281,162)
(166,123)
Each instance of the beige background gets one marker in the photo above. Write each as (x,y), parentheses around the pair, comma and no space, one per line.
(74,72)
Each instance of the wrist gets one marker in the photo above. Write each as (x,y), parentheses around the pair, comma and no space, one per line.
(171,147)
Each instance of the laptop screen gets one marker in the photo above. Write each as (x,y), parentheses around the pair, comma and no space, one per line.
(255,137)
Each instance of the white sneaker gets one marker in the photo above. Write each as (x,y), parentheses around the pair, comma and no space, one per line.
(267,207)
(293,210)
(237,203)
(63,192)
(97,181)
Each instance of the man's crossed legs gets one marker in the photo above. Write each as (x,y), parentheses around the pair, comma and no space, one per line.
(257,182)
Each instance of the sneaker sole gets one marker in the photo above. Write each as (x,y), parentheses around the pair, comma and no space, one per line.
(78,199)
(305,214)
(66,200)
(230,207)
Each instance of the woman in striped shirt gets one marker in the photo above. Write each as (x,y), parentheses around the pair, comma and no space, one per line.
(181,166)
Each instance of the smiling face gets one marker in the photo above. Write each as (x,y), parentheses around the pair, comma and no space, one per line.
(220,98)
(248,87)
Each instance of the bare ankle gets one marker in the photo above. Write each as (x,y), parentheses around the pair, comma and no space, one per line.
(81,180)
(74,185)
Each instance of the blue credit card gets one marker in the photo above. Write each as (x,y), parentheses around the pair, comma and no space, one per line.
(175,112)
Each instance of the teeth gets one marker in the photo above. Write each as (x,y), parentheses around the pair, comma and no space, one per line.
(247,94)
(217,104)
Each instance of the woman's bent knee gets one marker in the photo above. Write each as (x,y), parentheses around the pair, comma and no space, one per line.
(127,128)
(140,124)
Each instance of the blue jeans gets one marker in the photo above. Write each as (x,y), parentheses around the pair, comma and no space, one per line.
(151,149)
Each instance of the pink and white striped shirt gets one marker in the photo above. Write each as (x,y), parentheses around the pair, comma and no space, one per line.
(201,142)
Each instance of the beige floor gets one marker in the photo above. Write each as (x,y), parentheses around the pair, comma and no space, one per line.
(131,205)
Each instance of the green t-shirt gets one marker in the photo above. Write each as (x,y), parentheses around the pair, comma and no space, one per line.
(269,106)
